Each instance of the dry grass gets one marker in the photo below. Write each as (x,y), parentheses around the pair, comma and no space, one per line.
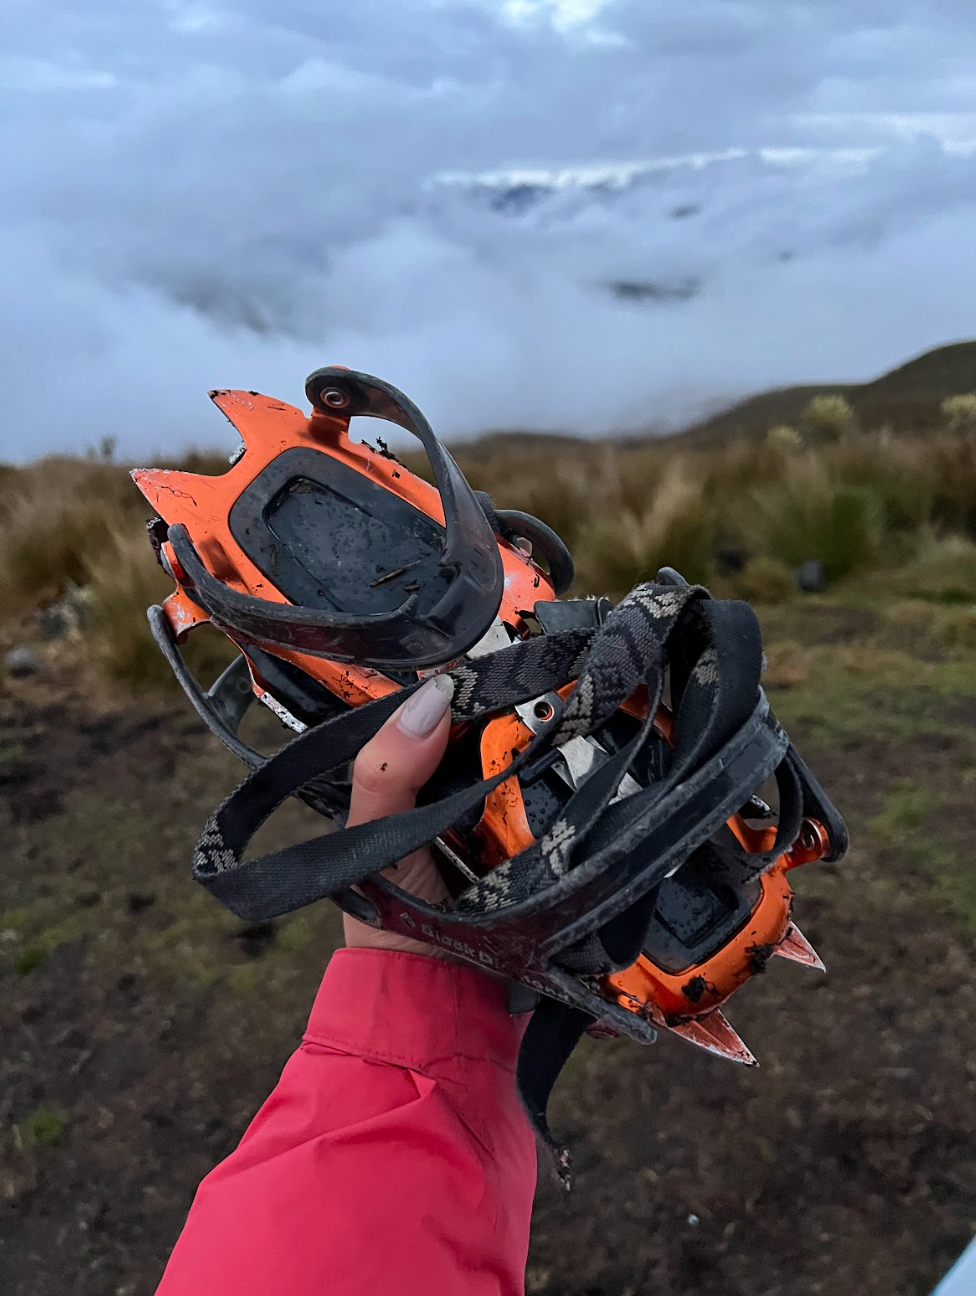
(960,412)
(894,513)
(68,523)
(56,516)
(123,581)
(624,543)
(864,500)
(943,570)
(827,419)
(764,580)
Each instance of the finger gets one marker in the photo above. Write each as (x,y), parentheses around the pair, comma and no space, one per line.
(395,764)
(387,775)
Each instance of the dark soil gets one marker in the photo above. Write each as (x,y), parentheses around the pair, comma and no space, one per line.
(152,1026)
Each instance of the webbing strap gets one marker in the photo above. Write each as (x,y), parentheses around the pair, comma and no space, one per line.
(608,662)
(301,874)
(715,654)
(713,650)
(552,1034)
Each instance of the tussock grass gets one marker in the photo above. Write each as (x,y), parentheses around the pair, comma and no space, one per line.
(67,523)
(960,412)
(861,501)
(764,580)
(784,438)
(56,516)
(124,579)
(828,418)
(943,570)
(620,546)
(891,513)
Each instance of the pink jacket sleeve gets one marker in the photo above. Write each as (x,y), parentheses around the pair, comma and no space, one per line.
(393,1156)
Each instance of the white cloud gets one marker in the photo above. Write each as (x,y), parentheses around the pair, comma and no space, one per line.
(565,15)
(40,76)
(207,195)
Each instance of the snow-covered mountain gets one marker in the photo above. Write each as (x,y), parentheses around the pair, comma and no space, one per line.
(677,222)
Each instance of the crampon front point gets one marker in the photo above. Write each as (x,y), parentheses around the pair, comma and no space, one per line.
(601,814)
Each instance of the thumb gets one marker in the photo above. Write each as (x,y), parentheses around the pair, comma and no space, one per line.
(396,763)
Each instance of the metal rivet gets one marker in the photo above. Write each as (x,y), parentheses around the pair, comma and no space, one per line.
(334,397)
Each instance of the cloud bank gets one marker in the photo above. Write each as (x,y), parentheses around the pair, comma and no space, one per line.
(571,214)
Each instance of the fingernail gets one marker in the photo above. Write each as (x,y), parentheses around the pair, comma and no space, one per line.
(421,713)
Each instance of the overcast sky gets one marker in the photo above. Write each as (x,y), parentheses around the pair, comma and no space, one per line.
(196,195)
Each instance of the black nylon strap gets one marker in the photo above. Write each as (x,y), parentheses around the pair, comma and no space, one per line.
(714,654)
(299,874)
(553,1032)
(629,649)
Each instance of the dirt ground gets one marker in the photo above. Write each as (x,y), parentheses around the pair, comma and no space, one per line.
(140,1027)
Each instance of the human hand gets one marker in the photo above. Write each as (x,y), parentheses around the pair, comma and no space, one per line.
(387,775)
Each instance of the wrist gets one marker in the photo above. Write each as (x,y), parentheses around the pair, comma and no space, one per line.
(359,935)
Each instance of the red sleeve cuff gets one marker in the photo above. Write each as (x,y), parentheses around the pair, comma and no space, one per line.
(412,1011)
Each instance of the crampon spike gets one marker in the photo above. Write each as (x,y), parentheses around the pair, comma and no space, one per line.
(795,947)
(713,1033)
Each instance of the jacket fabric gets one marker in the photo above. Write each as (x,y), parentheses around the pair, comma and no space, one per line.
(392,1157)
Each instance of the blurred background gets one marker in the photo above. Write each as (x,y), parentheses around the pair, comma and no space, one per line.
(695,285)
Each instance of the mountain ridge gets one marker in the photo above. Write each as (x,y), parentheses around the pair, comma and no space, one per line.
(906,398)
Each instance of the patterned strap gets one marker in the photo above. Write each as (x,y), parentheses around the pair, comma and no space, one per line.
(714,652)
(709,653)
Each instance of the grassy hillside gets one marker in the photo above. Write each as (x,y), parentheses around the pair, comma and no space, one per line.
(906,399)
(878,511)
